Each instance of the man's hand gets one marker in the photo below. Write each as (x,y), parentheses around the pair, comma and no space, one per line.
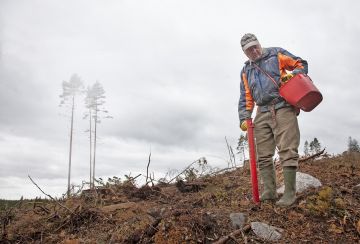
(287,77)
(243,126)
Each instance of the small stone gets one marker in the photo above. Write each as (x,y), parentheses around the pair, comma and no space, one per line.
(266,232)
(238,220)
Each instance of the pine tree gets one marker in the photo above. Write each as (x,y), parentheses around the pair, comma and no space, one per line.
(353,145)
(314,146)
(306,148)
(70,90)
(89,104)
(95,100)
(242,145)
(311,147)
(317,145)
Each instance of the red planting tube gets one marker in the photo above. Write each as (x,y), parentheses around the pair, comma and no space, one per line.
(254,181)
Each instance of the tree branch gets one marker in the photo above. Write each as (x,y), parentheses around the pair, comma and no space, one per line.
(231,155)
(184,170)
(51,197)
(232,235)
(147,169)
(278,163)
(312,156)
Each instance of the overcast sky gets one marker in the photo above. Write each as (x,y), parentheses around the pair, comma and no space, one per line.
(170,70)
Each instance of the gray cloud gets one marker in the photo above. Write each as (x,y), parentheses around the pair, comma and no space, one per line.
(161,121)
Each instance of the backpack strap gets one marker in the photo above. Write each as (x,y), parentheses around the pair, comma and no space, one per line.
(257,66)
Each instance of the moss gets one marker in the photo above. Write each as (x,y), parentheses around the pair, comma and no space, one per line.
(339,203)
(320,204)
(221,196)
(325,194)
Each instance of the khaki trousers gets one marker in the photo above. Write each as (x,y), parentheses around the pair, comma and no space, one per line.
(279,129)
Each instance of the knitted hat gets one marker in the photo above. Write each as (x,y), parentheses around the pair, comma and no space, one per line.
(248,40)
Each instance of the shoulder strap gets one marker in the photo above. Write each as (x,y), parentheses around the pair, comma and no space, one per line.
(257,66)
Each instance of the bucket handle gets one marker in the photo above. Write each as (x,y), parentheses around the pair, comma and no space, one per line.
(308,77)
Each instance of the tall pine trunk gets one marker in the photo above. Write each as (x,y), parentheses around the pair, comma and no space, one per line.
(70,151)
(95,121)
(90,120)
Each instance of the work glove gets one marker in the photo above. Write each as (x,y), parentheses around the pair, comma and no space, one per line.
(243,126)
(287,77)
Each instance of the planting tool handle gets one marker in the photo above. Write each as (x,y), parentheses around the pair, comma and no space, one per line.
(252,154)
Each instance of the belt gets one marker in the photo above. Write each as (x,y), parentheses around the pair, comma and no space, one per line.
(276,101)
(271,107)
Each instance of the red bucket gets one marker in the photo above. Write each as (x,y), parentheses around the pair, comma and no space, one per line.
(301,92)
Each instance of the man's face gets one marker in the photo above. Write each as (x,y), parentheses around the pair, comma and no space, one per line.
(253,52)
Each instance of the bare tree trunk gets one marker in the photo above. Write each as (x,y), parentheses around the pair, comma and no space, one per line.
(231,154)
(147,169)
(95,120)
(70,151)
(91,182)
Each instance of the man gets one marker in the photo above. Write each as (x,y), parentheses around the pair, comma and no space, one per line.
(275,122)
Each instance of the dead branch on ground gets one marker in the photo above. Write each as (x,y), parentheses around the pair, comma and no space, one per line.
(133,178)
(222,170)
(185,170)
(57,202)
(278,163)
(312,156)
(233,235)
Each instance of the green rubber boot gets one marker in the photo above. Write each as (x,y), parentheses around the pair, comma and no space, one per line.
(289,196)
(269,179)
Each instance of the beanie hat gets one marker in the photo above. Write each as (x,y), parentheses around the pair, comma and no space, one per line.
(248,40)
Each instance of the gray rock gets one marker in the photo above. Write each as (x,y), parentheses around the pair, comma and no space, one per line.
(238,220)
(303,181)
(266,232)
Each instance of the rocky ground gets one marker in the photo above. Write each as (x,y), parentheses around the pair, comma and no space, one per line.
(215,208)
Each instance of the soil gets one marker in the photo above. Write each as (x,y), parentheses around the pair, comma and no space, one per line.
(195,211)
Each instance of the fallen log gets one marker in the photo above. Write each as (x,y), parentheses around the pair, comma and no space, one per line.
(278,163)
(278,166)
(312,156)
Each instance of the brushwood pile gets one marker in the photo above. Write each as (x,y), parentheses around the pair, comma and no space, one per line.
(207,208)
